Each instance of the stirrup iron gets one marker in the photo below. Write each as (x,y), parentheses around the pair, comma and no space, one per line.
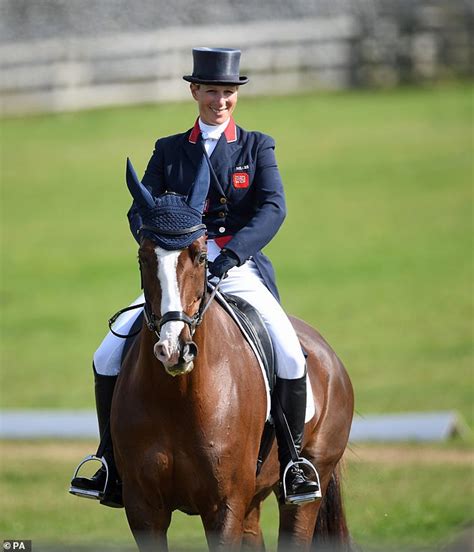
(86,493)
(302,498)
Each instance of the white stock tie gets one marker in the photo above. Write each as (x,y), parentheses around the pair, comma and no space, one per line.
(210,141)
(213,135)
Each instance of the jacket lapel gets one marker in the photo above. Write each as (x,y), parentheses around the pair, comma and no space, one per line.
(192,145)
(225,154)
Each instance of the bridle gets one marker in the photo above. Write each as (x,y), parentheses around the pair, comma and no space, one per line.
(155,323)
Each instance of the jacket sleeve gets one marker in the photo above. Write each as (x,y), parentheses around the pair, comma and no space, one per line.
(271,210)
(153,180)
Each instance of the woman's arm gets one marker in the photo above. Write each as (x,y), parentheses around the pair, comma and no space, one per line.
(271,209)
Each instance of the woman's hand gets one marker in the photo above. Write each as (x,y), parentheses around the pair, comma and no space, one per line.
(223,263)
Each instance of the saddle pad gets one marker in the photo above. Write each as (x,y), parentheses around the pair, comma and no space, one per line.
(259,340)
(254,326)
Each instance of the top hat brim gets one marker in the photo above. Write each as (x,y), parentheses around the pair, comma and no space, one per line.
(223,82)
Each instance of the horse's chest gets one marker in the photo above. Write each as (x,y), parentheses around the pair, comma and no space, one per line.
(188,476)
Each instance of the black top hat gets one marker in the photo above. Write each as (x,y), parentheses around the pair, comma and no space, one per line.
(216,66)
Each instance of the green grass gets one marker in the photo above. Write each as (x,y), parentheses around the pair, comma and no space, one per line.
(408,506)
(376,251)
(405,505)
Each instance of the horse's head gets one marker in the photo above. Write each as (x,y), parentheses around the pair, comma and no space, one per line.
(173,259)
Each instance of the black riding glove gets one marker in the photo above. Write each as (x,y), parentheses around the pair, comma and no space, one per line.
(223,263)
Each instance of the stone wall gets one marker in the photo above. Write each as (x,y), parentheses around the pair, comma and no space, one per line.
(64,55)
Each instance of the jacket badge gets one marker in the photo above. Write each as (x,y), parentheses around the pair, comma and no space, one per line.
(240,180)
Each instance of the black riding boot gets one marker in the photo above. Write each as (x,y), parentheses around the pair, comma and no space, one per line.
(292,397)
(94,487)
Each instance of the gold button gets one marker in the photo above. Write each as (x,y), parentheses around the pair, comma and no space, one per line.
(223,200)
(222,214)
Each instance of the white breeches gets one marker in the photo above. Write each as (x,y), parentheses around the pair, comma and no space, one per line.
(244,281)
(109,354)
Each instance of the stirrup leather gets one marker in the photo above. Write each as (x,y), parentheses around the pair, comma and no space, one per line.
(301,498)
(87,493)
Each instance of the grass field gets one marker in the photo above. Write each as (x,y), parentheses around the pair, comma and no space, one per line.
(416,510)
(376,252)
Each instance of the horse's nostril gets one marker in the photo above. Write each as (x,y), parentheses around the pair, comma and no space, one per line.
(159,351)
(190,351)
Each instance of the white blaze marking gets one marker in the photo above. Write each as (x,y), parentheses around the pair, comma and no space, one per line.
(170,297)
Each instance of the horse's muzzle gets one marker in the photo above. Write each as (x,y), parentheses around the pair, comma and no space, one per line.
(180,362)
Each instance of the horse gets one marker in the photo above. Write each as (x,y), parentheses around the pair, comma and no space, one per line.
(189,410)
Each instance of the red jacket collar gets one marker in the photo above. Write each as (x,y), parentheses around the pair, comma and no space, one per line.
(230,132)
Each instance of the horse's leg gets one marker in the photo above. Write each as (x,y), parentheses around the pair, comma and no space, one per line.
(224,526)
(252,534)
(297,523)
(297,526)
(149,524)
(149,529)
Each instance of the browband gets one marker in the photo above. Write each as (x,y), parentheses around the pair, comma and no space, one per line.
(179,232)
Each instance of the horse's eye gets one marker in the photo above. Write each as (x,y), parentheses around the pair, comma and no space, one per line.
(202,258)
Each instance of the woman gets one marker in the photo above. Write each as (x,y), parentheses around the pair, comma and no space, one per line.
(244,210)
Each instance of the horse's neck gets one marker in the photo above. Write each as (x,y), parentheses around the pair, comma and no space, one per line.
(219,385)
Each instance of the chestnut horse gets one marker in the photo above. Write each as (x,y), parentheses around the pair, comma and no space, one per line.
(187,430)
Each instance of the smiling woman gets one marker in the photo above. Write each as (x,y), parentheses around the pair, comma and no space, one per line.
(216,102)
(240,209)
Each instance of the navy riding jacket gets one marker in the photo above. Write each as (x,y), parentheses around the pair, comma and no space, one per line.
(246,202)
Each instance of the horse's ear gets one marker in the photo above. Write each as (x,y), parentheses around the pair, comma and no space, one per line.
(199,190)
(139,193)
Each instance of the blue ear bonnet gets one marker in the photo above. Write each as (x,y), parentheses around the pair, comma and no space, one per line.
(171,220)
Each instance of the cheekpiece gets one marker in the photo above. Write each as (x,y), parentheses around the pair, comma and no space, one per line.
(171,214)
(216,66)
